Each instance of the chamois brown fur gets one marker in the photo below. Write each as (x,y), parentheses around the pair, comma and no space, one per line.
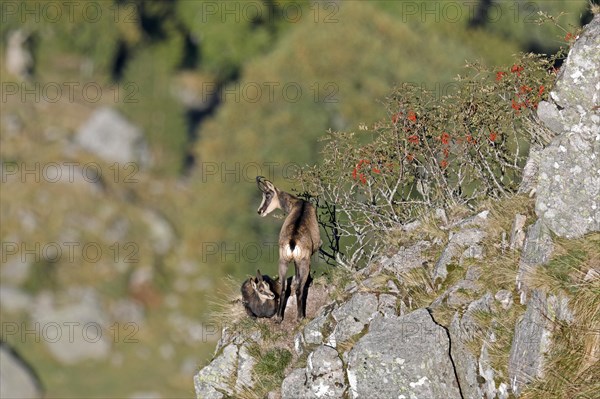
(259,296)
(299,239)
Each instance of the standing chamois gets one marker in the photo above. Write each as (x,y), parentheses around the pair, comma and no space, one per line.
(299,239)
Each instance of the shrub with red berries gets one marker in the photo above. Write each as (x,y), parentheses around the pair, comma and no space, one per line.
(432,151)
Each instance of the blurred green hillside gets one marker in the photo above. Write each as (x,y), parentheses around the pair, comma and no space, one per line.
(223,91)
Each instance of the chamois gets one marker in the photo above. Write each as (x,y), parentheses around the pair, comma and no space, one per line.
(258,296)
(299,239)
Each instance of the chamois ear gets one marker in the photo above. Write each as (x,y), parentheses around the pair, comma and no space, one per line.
(259,277)
(264,185)
(253,283)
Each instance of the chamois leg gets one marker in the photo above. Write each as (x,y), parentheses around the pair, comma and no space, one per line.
(283,266)
(302,273)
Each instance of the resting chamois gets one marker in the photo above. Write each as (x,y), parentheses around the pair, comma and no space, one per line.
(299,239)
(258,296)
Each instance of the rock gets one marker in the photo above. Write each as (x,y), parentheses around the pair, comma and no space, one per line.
(113,138)
(75,332)
(313,331)
(530,343)
(19,61)
(11,125)
(538,245)
(212,381)
(117,230)
(558,305)
(537,249)
(392,287)
(575,93)
(568,191)
(14,271)
(467,237)
(473,252)
(127,311)
(502,392)
(13,299)
(352,316)
(387,305)
(505,298)
(468,325)
(473,273)
(517,235)
(294,385)
(299,344)
(161,232)
(462,331)
(273,395)
(486,371)
(465,363)
(440,270)
(405,355)
(479,220)
(326,373)
(592,274)
(17,379)
(455,295)
(440,214)
(529,179)
(406,259)
(323,377)
(245,366)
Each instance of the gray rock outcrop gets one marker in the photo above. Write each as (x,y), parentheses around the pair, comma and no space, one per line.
(568,190)
(74,332)
(353,316)
(466,238)
(530,343)
(323,377)
(113,138)
(19,61)
(462,331)
(537,248)
(405,355)
(212,381)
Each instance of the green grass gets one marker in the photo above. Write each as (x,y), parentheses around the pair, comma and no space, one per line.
(270,367)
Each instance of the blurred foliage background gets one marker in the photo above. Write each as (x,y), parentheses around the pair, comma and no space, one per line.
(223,91)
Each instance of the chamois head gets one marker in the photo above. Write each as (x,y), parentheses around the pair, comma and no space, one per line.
(262,288)
(270,200)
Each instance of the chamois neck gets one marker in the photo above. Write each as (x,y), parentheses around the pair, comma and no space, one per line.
(287,201)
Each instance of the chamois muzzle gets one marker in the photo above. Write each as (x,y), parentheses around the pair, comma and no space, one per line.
(267,191)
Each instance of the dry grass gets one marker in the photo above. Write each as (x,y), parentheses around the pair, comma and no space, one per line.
(227,308)
(428,229)
(573,364)
(347,345)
